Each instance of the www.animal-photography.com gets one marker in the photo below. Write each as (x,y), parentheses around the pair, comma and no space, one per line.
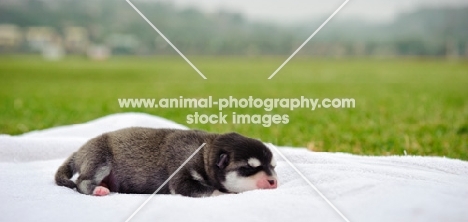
(200,110)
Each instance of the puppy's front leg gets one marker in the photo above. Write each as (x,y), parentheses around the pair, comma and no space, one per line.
(217,193)
(189,187)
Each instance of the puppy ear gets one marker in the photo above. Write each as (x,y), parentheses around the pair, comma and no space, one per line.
(222,161)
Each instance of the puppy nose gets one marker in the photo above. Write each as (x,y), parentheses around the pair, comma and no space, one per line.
(272,183)
(267,183)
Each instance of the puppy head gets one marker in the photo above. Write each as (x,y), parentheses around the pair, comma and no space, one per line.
(243,164)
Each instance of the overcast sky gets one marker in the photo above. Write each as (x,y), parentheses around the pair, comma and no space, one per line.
(291,10)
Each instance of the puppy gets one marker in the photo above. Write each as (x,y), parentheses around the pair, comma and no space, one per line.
(139,160)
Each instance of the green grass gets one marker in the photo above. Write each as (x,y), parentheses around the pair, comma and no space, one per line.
(417,105)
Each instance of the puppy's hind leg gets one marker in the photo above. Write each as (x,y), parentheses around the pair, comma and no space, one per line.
(95,165)
(89,182)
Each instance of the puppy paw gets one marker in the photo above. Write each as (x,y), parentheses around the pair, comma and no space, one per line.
(217,193)
(100,191)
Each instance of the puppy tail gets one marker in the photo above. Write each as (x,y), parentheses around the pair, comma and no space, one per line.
(65,172)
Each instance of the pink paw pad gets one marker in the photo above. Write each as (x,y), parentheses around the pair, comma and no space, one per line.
(100,191)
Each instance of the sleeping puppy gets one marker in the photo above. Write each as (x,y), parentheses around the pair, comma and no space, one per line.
(139,160)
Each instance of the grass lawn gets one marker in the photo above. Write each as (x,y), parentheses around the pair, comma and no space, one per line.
(415,105)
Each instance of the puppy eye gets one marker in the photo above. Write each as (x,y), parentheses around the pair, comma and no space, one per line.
(247,168)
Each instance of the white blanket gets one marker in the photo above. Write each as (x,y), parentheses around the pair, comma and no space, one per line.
(362,188)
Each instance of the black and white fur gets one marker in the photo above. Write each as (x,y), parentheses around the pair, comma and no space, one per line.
(139,160)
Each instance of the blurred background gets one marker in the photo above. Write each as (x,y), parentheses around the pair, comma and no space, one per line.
(404,62)
(100,28)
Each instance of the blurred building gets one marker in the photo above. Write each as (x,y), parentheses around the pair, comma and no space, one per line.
(46,41)
(53,52)
(39,38)
(11,37)
(76,39)
(123,43)
(98,52)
